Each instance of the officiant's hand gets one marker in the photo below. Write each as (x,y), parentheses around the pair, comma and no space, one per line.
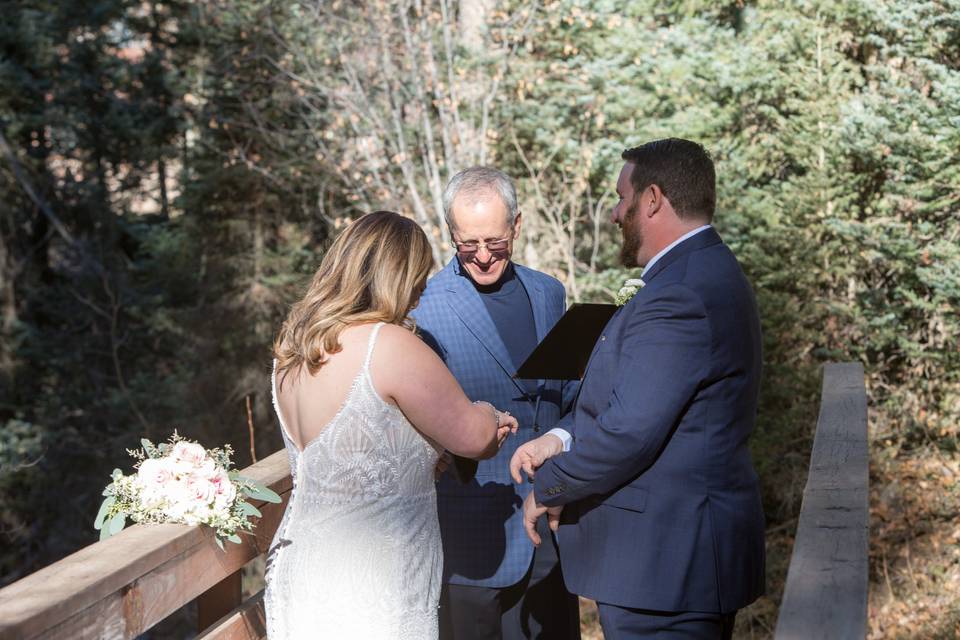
(531,455)
(533,511)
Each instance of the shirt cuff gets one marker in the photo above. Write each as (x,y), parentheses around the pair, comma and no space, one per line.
(565,437)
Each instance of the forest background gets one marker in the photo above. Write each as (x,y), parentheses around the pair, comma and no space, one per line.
(171,172)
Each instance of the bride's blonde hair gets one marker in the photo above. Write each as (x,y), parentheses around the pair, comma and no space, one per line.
(373,272)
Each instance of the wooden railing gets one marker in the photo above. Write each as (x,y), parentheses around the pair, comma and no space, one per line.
(123,586)
(826,591)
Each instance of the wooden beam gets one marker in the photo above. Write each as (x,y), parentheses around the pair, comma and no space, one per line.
(828,579)
(219,600)
(246,622)
(124,585)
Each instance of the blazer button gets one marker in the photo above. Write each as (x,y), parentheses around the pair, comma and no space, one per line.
(536,428)
(602,338)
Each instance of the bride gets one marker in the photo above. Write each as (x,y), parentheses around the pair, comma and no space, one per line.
(365,409)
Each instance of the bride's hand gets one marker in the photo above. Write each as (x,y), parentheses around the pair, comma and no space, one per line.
(508,425)
(443,463)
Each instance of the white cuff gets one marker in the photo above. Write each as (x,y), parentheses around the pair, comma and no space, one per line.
(565,437)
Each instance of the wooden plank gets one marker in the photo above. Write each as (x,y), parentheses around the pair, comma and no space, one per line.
(122,586)
(219,600)
(828,579)
(246,622)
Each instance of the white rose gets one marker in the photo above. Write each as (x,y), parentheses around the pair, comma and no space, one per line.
(179,499)
(208,469)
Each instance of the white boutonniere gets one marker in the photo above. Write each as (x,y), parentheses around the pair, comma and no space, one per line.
(628,290)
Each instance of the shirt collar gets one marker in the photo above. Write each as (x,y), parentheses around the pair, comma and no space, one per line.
(667,248)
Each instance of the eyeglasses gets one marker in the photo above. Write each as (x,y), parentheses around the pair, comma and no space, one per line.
(471,247)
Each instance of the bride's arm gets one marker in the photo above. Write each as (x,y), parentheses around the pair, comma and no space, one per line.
(408,373)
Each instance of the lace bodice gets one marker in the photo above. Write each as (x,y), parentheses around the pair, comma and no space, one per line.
(357,554)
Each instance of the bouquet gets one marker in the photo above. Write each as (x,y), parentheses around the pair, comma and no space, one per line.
(180,482)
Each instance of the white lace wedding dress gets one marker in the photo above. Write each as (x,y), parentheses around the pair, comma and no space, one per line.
(357,553)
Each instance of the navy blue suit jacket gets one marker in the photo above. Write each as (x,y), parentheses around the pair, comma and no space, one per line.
(662,505)
(484,543)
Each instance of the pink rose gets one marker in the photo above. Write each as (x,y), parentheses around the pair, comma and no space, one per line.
(200,491)
(224,491)
(190,453)
(153,474)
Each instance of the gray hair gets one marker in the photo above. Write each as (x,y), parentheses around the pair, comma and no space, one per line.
(477,182)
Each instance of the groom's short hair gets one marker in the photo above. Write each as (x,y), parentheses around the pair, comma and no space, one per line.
(682,169)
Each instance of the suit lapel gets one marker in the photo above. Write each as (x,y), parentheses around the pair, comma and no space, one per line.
(467,305)
(538,303)
(538,300)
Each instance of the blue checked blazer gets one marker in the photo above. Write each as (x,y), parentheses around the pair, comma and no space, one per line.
(661,502)
(484,543)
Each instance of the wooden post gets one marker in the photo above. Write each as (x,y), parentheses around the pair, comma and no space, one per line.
(219,600)
(827,582)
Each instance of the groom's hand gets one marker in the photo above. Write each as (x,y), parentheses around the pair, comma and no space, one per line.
(531,455)
(533,511)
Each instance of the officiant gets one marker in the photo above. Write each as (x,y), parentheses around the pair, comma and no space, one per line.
(483,314)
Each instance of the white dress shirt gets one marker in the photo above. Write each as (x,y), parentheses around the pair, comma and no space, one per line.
(564,436)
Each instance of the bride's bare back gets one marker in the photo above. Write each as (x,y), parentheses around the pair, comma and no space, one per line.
(308,401)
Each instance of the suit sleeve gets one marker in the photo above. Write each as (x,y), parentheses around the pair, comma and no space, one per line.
(569,388)
(663,356)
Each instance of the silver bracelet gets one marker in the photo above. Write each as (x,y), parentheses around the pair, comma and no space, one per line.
(496,414)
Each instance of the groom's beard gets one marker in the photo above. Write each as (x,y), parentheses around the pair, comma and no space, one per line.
(632,239)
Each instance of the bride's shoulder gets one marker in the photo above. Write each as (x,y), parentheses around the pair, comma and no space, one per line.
(400,343)
(395,335)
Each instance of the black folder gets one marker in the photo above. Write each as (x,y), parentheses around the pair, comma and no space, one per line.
(564,351)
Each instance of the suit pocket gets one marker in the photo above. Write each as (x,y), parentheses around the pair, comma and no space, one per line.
(629,498)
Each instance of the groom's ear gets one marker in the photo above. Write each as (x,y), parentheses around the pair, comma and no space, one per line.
(516,226)
(652,199)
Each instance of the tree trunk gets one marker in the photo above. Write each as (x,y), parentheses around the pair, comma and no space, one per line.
(473,23)
(8,313)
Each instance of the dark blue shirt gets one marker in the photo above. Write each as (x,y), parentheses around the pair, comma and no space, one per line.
(509,307)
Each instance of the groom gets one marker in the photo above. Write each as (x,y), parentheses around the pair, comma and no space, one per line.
(483,314)
(661,518)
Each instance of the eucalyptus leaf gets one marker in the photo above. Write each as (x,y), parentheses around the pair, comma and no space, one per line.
(234,538)
(250,510)
(117,523)
(102,513)
(219,542)
(258,492)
